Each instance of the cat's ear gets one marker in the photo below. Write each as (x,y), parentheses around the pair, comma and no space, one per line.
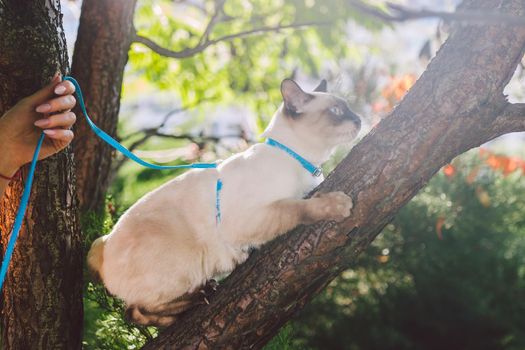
(322,87)
(294,97)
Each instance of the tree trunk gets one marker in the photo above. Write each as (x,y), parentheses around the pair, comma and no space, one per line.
(42,305)
(101,53)
(457,104)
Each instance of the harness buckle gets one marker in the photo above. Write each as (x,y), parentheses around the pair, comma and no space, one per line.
(318,172)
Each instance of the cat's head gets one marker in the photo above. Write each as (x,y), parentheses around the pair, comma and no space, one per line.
(317,118)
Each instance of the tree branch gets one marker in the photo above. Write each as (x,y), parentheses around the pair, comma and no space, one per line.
(155,131)
(449,110)
(199,140)
(219,5)
(104,37)
(399,13)
(167,118)
(188,52)
(149,133)
(512,119)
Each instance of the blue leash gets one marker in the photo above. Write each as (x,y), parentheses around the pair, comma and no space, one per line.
(21,212)
(113,143)
(116,145)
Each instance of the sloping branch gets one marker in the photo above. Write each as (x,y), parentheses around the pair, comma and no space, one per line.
(204,44)
(451,108)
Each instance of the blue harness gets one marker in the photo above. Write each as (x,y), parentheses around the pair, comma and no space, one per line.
(312,169)
(315,171)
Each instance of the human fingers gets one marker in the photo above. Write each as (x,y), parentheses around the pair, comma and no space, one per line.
(59,134)
(58,104)
(64,88)
(44,93)
(63,120)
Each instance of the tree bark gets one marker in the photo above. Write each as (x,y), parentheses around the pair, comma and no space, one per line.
(42,297)
(101,53)
(457,104)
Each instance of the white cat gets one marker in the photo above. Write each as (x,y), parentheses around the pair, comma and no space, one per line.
(169,243)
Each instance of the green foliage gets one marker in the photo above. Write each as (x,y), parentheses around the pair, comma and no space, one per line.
(246,69)
(413,290)
(133,182)
(282,341)
(95,225)
(107,328)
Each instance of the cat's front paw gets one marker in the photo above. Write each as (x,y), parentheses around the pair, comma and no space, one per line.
(334,206)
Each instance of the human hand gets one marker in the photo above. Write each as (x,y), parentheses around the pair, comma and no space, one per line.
(20,127)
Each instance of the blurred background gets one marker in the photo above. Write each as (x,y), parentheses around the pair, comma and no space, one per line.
(447,273)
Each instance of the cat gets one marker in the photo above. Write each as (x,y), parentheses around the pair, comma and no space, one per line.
(177,237)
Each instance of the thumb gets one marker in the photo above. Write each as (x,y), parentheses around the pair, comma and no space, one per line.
(46,92)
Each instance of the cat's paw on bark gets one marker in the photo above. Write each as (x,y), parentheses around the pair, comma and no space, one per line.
(334,206)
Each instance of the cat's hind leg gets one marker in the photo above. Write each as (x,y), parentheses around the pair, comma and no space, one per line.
(160,315)
(164,314)
(95,259)
(135,315)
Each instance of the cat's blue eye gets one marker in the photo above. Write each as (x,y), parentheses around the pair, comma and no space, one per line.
(336,110)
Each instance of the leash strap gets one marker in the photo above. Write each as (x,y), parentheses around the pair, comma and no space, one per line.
(312,169)
(116,145)
(21,212)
